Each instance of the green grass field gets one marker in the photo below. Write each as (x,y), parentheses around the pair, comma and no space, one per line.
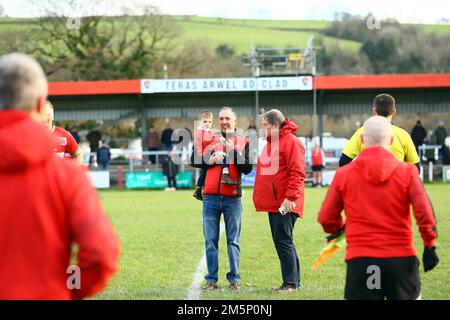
(162,244)
(242,36)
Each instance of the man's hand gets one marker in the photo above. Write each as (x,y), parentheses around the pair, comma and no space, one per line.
(429,258)
(289,206)
(335,235)
(229,145)
(216,158)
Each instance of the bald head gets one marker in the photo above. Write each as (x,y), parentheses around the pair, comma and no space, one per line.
(377,132)
(23,84)
(227,119)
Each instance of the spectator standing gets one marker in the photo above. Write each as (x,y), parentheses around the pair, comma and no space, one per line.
(317,165)
(166,136)
(418,135)
(152,143)
(279,190)
(170,170)
(220,198)
(103,156)
(75,134)
(440,133)
(94,136)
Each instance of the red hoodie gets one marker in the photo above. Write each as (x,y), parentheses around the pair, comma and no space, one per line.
(47,205)
(376,191)
(281,172)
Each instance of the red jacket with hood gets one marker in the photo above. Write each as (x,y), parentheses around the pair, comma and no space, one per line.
(281,172)
(48,204)
(376,191)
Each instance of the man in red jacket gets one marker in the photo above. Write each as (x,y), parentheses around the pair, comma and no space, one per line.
(221,197)
(279,190)
(47,203)
(376,191)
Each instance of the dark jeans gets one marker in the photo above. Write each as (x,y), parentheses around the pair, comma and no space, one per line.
(103,166)
(201,178)
(282,227)
(172,182)
(152,157)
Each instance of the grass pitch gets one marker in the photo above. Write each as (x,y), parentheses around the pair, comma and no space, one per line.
(162,244)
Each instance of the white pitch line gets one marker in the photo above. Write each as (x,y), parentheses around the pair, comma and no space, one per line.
(194,289)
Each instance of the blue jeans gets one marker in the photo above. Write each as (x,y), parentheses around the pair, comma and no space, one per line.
(213,207)
(104,166)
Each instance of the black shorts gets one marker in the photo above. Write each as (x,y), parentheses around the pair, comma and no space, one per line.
(317,168)
(377,279)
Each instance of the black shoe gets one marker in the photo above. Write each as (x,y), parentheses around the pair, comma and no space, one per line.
(210,286)
(198,194)
(286,287)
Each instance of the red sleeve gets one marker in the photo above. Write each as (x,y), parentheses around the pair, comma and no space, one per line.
(72,145)
(202,140)
(330,213)
(423,210)
(98,245)
(295,158)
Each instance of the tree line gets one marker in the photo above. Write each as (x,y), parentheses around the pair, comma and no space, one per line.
(149,46)
(389,47)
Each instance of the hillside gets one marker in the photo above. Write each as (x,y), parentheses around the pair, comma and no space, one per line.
(241,34)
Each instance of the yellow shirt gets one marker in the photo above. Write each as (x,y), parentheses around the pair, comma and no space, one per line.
(402,147)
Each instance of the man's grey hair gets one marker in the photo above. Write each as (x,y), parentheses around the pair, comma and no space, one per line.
(229,108)
(22,82)
(274,116)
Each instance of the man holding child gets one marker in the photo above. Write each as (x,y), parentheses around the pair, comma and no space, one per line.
(223,159)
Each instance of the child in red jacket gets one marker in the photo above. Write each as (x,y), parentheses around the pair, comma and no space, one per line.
(206,141)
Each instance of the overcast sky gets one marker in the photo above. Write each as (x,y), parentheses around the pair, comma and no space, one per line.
(408,11)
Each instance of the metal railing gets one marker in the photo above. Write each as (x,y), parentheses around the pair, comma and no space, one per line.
(134,158)
(424,159)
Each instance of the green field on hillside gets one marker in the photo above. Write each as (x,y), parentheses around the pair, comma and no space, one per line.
(241,34)
(242,37)
(162,245)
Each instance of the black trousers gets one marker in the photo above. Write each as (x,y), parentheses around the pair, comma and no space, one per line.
(377,279)
(282,227)
(152,157)
(172,182)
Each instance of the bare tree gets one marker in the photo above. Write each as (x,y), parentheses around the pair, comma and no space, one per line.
(97,47)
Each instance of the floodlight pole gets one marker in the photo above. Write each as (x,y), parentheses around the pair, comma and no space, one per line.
(315,113)
(256,76)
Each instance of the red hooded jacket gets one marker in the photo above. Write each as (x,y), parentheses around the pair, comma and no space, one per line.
(47,205)
(376,191)
(281,172)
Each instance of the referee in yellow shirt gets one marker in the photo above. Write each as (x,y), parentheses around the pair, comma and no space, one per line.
(402,147)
